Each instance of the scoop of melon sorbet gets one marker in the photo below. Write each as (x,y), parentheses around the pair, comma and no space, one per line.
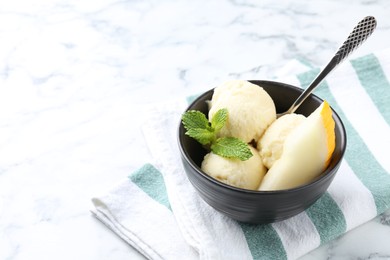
(251,109)
(242,174)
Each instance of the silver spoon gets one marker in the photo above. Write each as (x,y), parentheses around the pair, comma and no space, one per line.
(359,34)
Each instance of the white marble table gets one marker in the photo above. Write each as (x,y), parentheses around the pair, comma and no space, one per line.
(75,77)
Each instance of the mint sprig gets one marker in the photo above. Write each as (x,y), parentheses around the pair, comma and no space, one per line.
(199,128)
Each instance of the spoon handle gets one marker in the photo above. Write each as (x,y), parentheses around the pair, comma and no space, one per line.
(359,34)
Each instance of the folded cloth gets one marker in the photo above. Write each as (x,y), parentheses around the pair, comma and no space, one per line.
(158,206)
(138,211)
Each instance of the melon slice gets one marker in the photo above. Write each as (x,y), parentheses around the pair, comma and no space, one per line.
(307,152)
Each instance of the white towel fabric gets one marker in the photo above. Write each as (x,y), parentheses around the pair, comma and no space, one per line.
(151,229)
(359,90)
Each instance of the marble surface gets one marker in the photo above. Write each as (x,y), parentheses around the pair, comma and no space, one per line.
(76,76)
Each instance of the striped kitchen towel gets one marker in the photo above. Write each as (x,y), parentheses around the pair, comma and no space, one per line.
(158,211)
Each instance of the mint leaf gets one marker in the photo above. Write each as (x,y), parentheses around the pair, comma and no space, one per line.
(219,119)
(231,147)
(198,127)
(203,136)
(194,119)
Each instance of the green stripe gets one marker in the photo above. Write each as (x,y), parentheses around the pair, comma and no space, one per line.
(328,218)
(358,156)
(305,62)
(191,99)
(263,242)
(373,79)
(325,213)
(150,180)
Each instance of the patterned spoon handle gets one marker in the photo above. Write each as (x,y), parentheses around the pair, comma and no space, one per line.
(359,34)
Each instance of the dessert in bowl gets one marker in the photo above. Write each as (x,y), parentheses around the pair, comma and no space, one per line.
(263,198)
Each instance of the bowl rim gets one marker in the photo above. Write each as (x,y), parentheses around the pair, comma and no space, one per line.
(322,177)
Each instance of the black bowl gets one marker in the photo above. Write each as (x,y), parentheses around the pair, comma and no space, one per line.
(260,206)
